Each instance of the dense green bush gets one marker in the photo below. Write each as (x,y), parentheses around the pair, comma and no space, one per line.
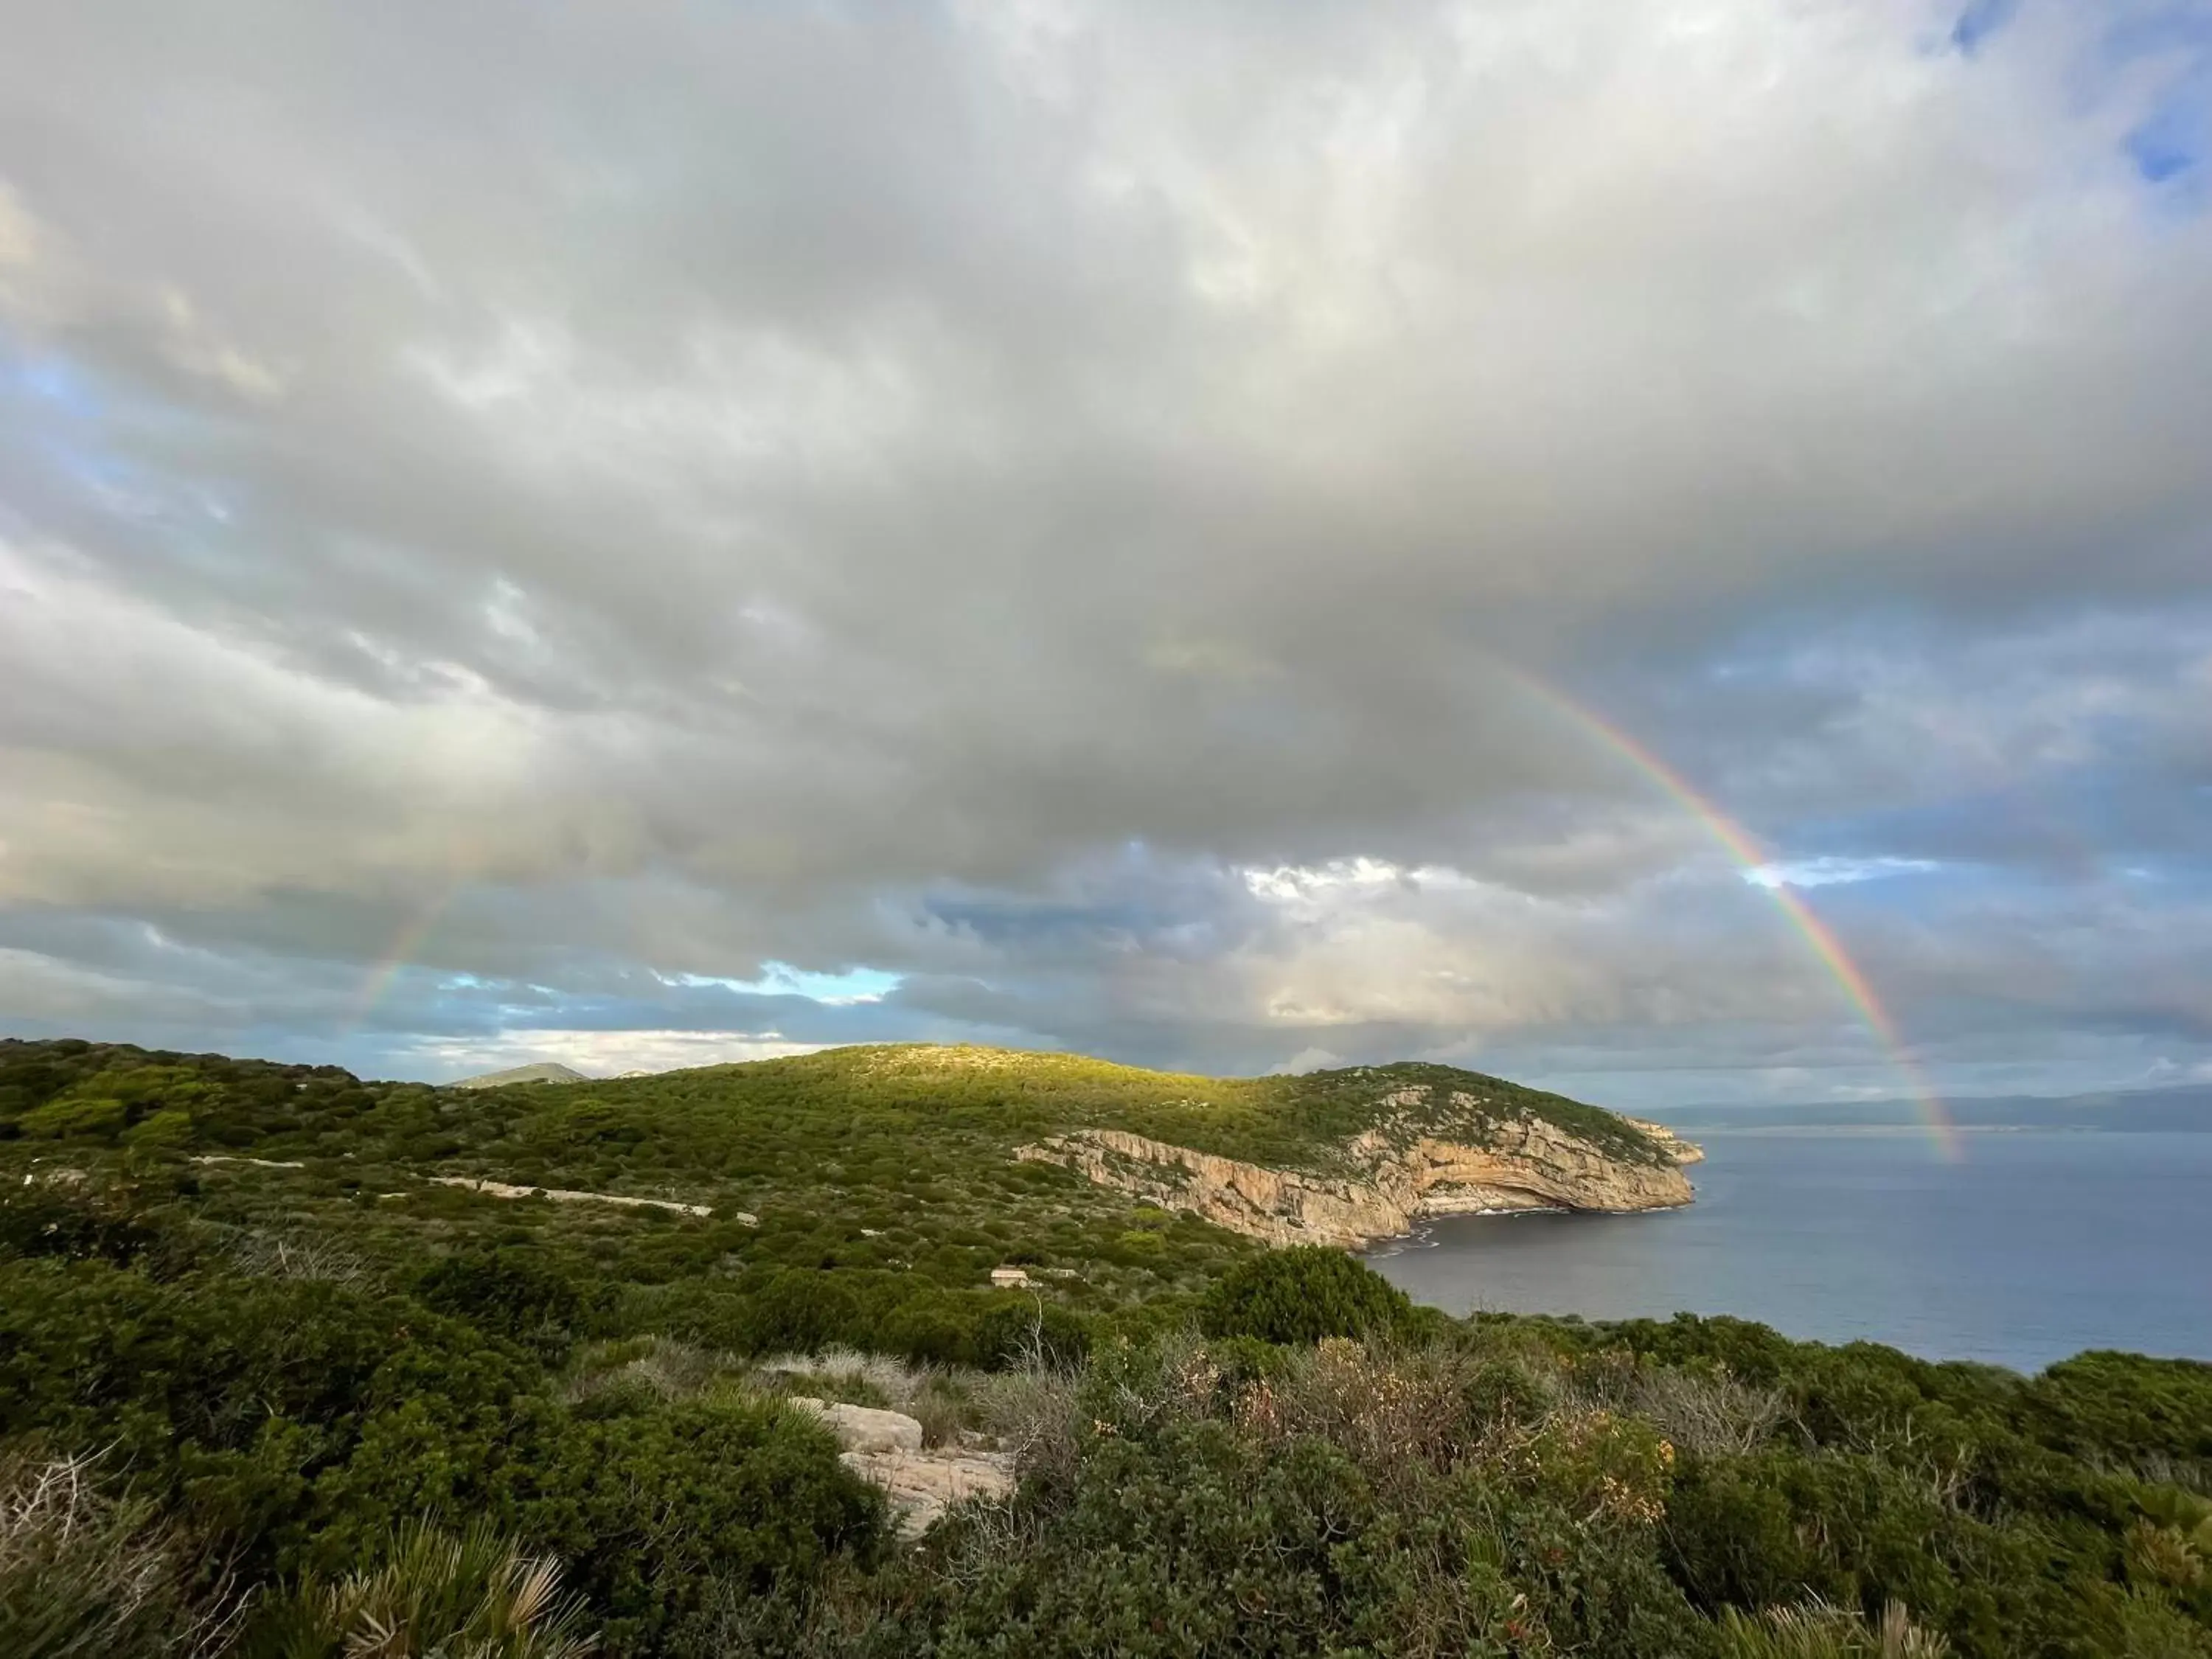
(800,1310)
(1302,1295)
(656,1508)
(510,1292)
(1021,1330)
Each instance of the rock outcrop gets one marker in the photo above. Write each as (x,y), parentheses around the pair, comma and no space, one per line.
(885,1447)
(1680,1151)
(863,1428)
(922,1485)
(1391,1179)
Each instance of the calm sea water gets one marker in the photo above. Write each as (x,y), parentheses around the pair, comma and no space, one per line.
(2037,1244)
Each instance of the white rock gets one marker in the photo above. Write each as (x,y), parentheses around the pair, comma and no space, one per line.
(921,1484)
(863,1428)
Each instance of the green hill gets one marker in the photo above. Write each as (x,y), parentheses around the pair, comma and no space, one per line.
(894,1159)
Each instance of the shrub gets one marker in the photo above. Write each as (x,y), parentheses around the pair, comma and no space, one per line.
(802,1309)
(81,1222)
(86,1576)
(507,1292)
(1030,1331)
(1817,1631)
(1301,1295)
(434,1594)
(2124,1405)
(1706,1410)
(934,1329)
(63,1120)
(652,1507)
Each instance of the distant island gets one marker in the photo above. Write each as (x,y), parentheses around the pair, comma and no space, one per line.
(913,1349)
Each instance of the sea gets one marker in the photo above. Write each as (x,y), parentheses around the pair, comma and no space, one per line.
(2030,1246)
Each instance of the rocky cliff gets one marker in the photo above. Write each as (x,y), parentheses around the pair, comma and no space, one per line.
(1677,1150)
(1382,1183)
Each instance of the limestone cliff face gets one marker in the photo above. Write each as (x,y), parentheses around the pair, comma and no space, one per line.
(1392,1180)
(1682,1150)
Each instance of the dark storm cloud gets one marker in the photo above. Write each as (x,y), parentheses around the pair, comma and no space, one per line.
(1035,500)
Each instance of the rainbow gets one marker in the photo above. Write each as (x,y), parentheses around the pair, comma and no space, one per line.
(1746,852)
(396,956)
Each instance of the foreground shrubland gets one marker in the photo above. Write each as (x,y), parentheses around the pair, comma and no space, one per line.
(214,1463)
(263,1410)
(1523,1487)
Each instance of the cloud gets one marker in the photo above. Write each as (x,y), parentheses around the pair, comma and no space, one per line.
(1008,521)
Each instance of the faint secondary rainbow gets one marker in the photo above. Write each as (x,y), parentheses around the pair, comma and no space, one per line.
(1748,852)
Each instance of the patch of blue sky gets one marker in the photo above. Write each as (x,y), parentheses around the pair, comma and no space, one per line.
(2169,145)
(1832,871)
(1979,21)
(46,378)
(68,421)
(843,989)
(995,920)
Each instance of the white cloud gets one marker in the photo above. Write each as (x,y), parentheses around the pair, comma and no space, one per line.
(1290,882)
(1309,1058)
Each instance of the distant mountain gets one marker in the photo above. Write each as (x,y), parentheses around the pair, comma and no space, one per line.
(2187,1107)
(544,1072)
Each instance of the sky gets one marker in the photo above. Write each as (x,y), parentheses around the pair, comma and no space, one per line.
(1660,550)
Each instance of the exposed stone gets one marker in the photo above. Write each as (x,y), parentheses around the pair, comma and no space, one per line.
(1682,1150)
(922,1485)
(885,1447)
(863,1428)
(1009,1279)
(1394,1181)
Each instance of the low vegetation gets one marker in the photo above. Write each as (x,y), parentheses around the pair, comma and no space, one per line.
(318,1404)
